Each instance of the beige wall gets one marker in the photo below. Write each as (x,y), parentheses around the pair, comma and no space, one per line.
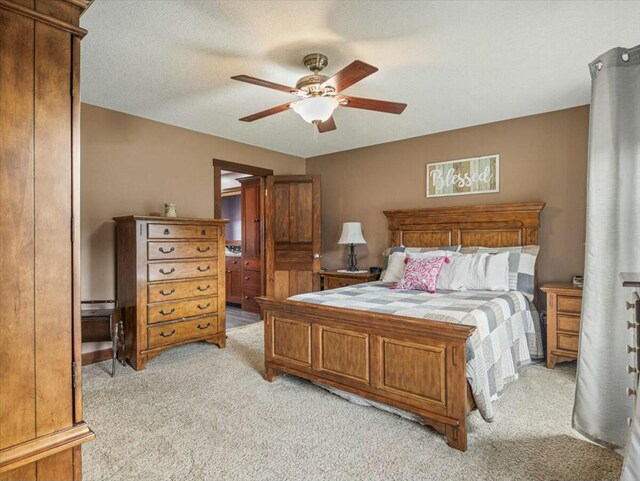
(542,158)
(132,165)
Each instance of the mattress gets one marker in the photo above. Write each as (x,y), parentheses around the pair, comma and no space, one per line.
(506,338)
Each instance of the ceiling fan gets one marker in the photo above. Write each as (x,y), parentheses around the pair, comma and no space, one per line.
(320,95)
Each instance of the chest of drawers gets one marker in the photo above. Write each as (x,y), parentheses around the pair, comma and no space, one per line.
(171,283)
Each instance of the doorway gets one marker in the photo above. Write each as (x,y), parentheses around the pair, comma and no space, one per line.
(239,196)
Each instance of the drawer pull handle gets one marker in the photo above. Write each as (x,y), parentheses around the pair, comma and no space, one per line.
(200,288)
(205,269)
(204,327)
(167,252)
(203,232)
(166,232)
(631,369)
(246,297)
(203,307)
(631,349)
(630,305)
(173,331)
(631,392)
(173,309)
(246,278)
(167,293)
(631,325)
(200,249)
(173,269)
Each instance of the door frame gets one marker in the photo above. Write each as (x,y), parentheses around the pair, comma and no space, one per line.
(220,165)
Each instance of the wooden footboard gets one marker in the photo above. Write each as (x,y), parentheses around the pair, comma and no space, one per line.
(414,364)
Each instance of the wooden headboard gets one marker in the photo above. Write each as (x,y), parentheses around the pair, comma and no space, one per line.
(494,225)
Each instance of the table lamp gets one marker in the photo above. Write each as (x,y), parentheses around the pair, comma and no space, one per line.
(352,235)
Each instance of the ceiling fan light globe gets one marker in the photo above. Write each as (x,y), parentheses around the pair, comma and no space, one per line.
(316,109)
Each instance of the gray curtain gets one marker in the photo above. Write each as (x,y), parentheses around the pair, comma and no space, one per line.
(613,245)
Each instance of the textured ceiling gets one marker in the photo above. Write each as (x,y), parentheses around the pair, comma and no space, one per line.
(456,63)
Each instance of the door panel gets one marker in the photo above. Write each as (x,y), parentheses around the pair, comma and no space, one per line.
(293,234)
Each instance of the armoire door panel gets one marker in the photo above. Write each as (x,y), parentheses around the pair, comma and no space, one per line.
(23,473)
(53,248)
(17,392)
(57,467)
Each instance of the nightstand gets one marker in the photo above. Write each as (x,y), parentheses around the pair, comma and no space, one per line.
(335,279)
(564,308)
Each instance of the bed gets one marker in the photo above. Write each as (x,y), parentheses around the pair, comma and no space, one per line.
(416,363)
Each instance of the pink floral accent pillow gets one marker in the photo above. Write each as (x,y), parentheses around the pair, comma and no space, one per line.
(422,274)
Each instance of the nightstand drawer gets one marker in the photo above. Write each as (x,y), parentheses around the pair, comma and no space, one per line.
(335,283)
(568,342)
(570,304)
(569,323)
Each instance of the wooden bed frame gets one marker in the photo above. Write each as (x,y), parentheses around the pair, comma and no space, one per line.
(414,364)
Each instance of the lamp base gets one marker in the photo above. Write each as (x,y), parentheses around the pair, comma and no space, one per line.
(352,260)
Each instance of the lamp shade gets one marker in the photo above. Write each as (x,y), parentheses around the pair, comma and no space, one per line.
(315,109)
(352,234)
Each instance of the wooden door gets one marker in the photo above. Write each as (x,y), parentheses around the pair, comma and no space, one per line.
(292,214)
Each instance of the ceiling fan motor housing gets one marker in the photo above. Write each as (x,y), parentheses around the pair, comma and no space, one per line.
(312,84)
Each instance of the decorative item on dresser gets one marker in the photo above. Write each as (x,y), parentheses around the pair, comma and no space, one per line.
(352,235)
(335,279)
(171,283)
(564,308)
(251,189)
(418,365)
(41,422)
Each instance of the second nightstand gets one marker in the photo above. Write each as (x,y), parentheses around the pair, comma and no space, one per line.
(335,279)
(564,308)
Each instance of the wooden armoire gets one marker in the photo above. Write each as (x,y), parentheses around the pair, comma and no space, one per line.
(41,426)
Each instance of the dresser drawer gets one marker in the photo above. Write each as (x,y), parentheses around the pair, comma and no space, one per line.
(181,250)
(182,270)
(173,332)
(168,311)
(570,304)
(181,231)
(249,302)
(335,283)
(568,342)
(251,264)
(170,291)
(251,280)
(569,323)
(233,263)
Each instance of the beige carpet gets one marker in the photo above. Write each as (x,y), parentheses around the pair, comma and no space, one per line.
(200,413)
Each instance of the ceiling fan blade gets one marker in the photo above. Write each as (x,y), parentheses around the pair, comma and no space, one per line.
(352,73)
(264,83)
(266,113)
(370,104)
(327,126)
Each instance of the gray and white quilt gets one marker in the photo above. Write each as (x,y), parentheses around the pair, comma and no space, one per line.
(506,338)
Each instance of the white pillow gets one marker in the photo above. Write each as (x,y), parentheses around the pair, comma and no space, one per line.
(396,265)
(488,272)
(453,275)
